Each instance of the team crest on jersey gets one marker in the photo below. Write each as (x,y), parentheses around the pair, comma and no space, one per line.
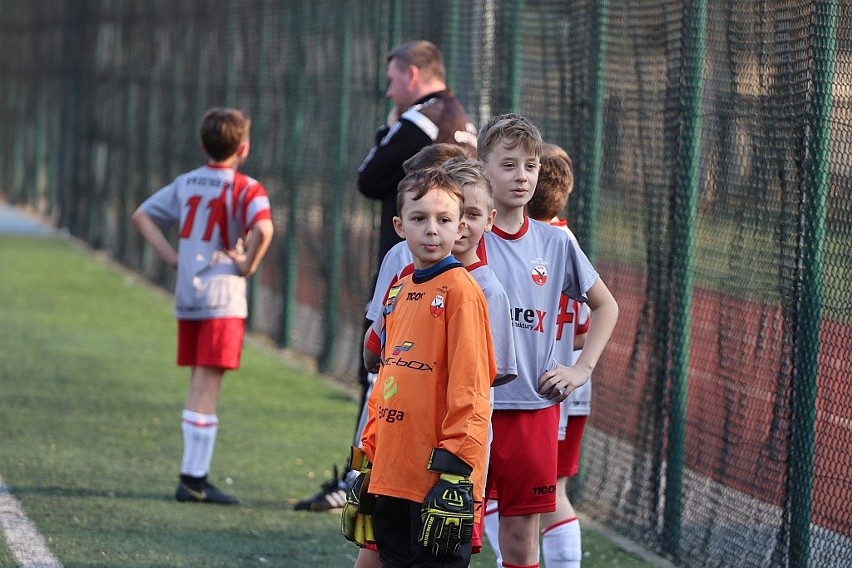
(539,274)
(436,308)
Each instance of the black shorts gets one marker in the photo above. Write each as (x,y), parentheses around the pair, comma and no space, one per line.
(396,523)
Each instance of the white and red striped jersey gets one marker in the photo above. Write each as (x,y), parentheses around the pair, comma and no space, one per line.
(214,207)
(536,266)
(579,402)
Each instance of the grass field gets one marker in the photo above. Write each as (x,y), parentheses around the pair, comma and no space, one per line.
(90,442)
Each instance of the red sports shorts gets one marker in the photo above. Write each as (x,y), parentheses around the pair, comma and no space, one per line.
(522,467)
(568,463)
(214,342)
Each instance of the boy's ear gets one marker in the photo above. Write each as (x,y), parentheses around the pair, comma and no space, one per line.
(243,149)
(490,221)
(462,227)
(397,226)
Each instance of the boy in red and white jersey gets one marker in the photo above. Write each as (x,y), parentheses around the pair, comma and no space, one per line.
(561,538)
(225,228)
(536,263)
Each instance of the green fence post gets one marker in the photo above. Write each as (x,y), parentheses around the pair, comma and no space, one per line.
(232,51)
(809,302)
(334,208)
(450,45)
(513,96)
(260,118)
(593,169)
(683,260)
(295,89)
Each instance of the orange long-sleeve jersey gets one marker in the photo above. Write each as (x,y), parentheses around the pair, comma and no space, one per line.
(433,388)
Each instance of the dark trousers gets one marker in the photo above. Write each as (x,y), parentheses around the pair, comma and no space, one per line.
(396,523)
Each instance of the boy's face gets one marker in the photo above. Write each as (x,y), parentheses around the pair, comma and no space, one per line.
(478,218)
(430,226)
(514,174)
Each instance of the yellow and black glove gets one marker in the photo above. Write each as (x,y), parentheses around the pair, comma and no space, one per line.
(356,520)
(447,513)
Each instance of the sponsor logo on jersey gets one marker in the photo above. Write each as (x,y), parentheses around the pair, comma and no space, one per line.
(389,388)
(436,308)
(406,346)
(528,318)
(413,364)
(391,415)
(392,294)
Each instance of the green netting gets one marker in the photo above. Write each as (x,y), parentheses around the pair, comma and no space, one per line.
(713,154)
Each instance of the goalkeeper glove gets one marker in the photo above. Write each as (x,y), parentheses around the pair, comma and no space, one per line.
(356,520)
(447,512)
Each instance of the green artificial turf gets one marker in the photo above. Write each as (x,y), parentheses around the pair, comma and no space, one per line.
(90,442)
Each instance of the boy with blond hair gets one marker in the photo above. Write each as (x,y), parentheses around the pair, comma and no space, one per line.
(561,542)
(225,228)
(536,264)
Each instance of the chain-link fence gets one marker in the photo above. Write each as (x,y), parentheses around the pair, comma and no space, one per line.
(713,154)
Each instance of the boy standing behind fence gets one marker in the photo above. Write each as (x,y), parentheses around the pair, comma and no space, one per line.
(225,228)
(536,264)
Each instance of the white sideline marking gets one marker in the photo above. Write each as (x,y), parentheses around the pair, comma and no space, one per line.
(22,536)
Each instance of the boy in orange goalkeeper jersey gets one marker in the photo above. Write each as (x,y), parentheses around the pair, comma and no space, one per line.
(427,431)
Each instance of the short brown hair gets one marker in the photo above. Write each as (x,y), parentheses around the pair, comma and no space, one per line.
(468,171)
(431,156)
(424,55)
(223,130)
(510,129)
(420,182)
(555,183)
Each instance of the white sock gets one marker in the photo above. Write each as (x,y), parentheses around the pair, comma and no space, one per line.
(561,544)
(199,438)
(492,529)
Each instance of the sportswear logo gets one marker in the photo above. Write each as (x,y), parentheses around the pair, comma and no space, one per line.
(415,296)
(406,346)
(436,308)
(389,389)
(200,495)
(539,274)
(453,498)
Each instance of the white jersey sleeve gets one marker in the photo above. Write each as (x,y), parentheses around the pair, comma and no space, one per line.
(397,258)
(572,315)
(501,325)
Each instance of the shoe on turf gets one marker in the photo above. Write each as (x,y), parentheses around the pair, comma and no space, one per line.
(203,493)
(331,496)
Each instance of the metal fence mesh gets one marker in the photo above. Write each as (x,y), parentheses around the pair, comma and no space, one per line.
(712,143)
